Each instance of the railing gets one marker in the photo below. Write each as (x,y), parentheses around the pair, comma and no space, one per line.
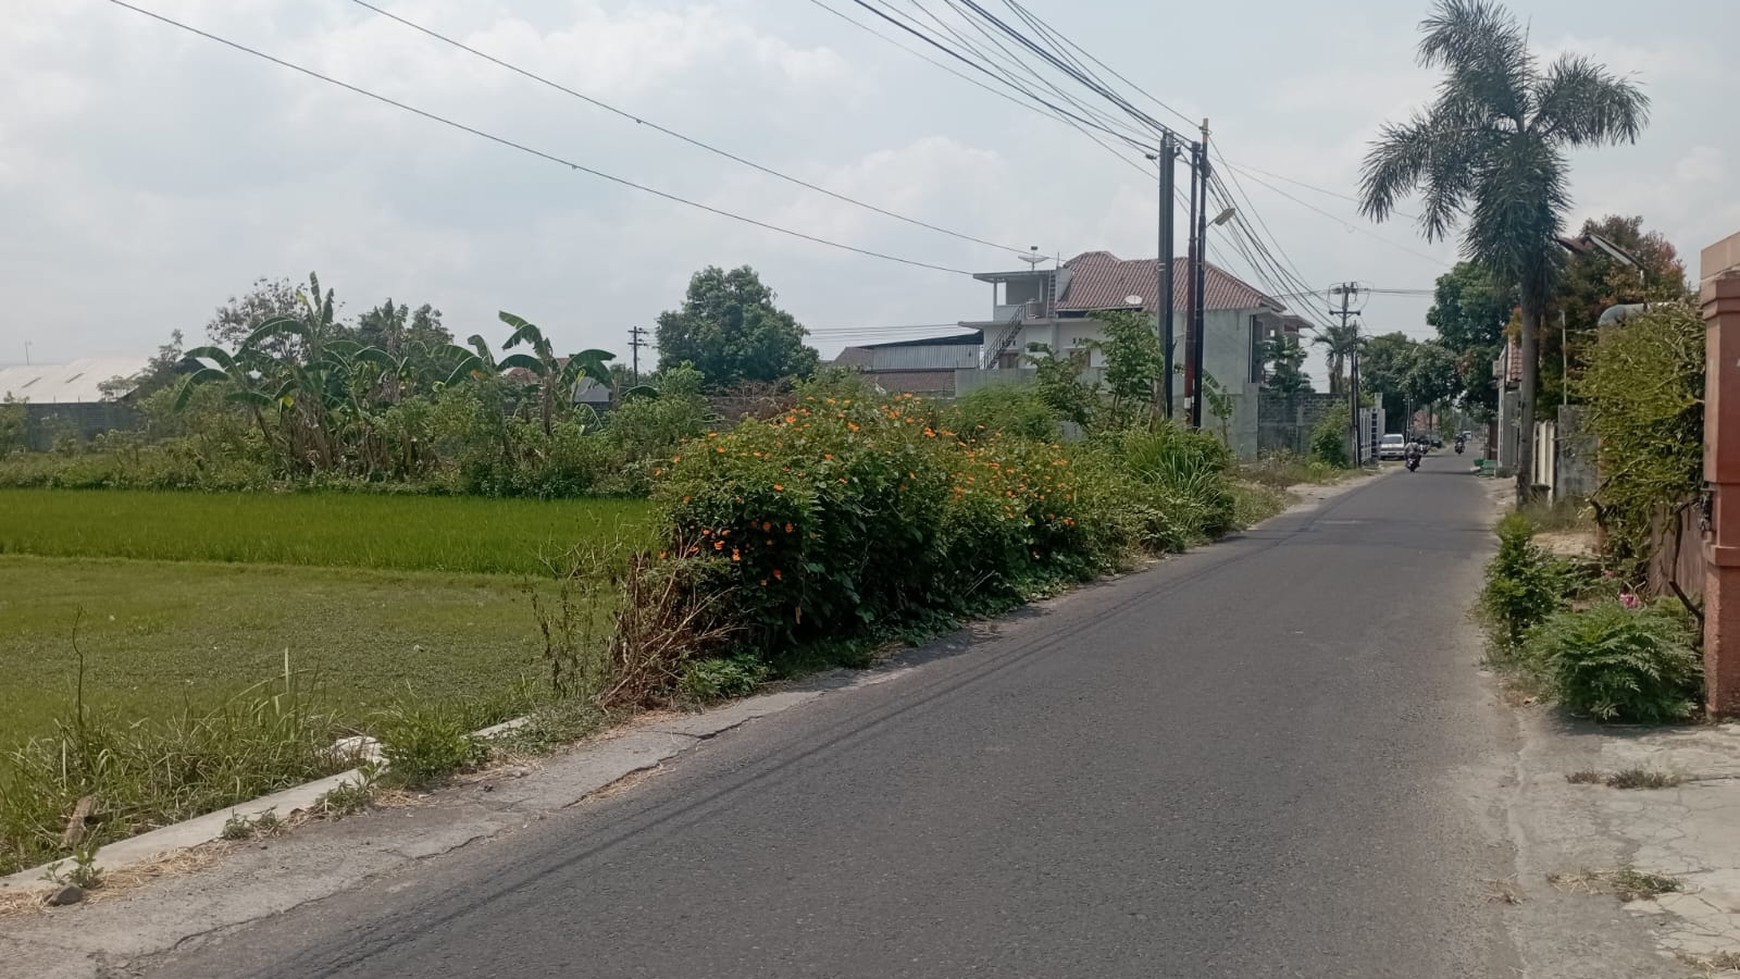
(993,350)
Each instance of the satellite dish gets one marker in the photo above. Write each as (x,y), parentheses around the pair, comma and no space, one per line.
(1132,300)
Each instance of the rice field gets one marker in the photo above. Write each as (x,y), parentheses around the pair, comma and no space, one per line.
(353,530)
(184,599)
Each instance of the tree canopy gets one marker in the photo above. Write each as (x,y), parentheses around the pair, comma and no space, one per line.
(1488,155)
(731,331)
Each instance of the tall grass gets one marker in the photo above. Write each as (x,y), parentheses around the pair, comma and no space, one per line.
(146,774)
(456,534)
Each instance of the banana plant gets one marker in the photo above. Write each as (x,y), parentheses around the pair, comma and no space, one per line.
(554,374)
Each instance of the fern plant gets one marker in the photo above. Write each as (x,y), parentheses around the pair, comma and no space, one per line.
(1616,662)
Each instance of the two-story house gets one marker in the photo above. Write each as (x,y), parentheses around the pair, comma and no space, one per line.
(1056,308)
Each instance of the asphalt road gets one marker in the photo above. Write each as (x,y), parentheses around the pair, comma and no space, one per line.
(1268,758)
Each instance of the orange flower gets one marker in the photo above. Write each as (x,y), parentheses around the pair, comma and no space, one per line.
(928,433)
(852,425)
(764,582)
(718,545)
(777,575)
(676,458)
(736,555)
(791,419)
(778,488)
(663,555)
(788,527)
(685,499)
(766,526)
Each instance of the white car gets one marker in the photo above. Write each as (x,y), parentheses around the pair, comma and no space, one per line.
(1392,446)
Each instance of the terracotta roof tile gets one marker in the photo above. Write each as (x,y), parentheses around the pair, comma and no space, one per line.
(1102,280)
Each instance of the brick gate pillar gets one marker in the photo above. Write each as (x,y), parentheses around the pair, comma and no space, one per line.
(1719,294)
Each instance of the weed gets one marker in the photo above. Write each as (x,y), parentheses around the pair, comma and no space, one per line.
(1587,776)
(1627,883)
(237,827)
(1641,778)
(240,827)
(1728,961)
(423,743)
(1565,513)
(722,678)
(1504,890)
(85,873)
(348,798)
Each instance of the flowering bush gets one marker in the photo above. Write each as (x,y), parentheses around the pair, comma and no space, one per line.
(850,514)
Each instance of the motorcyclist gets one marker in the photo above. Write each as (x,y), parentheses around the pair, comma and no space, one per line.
(1413,454)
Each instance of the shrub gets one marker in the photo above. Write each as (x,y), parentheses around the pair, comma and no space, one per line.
(1329,441)
(1650,435)
(720,678)
(1015,410)
(1524,584)
(1615,662)
(844,517)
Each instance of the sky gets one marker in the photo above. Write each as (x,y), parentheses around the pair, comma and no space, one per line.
(147,174)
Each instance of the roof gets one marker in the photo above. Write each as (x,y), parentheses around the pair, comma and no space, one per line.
(74,382)
(971,338)
(1102,280)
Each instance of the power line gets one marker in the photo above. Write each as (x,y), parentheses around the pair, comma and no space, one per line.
(699,144)
(1247,169)
(504,141)
(1054,115)
(1349,225)
(932,41)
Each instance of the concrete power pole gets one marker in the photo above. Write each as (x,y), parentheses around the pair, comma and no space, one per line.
(636,340)
(1167,158)
(1346,291)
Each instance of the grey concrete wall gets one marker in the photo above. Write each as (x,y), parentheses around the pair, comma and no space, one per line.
(1285,424)
(1575,464)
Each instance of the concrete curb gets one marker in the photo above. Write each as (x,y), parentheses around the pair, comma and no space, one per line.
(607,759)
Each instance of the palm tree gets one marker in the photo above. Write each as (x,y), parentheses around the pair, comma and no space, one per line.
(1340,341)
(1491,148)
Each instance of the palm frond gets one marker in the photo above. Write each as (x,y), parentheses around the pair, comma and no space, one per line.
(1483,50)
(1584,104)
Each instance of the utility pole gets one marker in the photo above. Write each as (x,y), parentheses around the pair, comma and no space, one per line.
(1167,159)
(636,340)
(1196,208)
(1199,276)
(1347,290)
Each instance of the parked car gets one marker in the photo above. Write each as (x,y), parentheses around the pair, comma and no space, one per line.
(1392,446)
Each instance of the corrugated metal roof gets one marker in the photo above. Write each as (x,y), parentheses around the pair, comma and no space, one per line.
(76,382)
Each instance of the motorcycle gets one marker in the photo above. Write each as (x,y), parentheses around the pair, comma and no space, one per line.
(1460,445)
(1413,462)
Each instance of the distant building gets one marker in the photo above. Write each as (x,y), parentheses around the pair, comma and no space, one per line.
(70,398)
(1057,308)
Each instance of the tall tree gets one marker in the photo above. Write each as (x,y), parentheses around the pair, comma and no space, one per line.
(1491,149)
(1470,310)
(237,319)
(1339,342)
(1595,280)
(1285,360)
(731,331)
